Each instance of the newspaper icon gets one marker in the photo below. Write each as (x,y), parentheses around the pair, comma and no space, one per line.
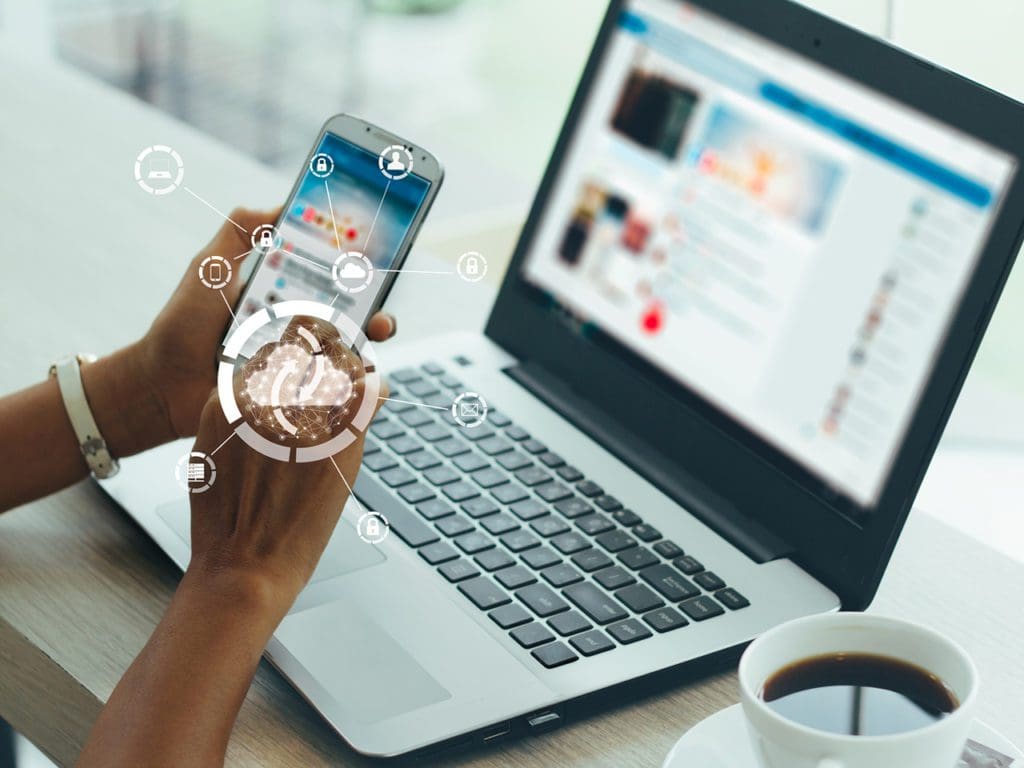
(195,473)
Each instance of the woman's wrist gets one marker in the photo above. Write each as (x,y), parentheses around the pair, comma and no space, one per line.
(247,590)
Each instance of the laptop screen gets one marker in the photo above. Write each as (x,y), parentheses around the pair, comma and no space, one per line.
(782,242)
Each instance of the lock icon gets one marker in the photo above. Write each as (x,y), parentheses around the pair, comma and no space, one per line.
(472,266)
(373,528)
(321,164)
(266,239)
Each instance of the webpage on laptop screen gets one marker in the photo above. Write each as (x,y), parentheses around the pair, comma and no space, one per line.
(782,241)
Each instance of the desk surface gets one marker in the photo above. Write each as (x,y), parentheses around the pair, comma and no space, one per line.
(81,587)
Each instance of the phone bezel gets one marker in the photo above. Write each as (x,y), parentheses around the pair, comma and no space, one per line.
(374,139)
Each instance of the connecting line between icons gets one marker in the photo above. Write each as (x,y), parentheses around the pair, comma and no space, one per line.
(242,255)
(228,305)
(366,242)
(351,493)
(410,402)
(334,223)
(217,211)
(418,271)
(222,444)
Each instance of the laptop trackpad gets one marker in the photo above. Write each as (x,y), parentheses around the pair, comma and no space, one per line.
(345,552)
(345,651)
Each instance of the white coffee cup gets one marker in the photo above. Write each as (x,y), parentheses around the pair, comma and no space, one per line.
(782,743)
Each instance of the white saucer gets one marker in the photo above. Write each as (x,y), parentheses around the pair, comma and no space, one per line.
(721,741)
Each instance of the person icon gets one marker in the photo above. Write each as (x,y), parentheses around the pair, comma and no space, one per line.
(395,164)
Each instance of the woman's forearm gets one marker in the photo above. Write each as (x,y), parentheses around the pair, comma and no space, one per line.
(177,702)
(41,454)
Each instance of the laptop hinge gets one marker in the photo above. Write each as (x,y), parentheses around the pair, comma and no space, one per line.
(744,533)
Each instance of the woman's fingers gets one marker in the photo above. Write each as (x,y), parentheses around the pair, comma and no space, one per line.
(381,327)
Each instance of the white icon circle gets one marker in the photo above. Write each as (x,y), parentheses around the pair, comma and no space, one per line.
(215,272)
(195,476)
(373,527)
(471,267)
(352,272)
(159,170)
(469,410)
(265,236)
(395,162)
(321,165)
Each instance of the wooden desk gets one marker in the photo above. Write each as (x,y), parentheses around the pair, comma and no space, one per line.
(81,587)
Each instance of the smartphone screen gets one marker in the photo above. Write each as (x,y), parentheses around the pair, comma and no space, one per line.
(355,207)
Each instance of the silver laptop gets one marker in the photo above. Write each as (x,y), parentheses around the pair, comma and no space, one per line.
(742,306)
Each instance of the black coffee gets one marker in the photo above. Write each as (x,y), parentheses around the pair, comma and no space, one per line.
(858,694)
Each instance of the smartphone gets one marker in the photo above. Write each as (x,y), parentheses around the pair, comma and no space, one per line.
(349,223)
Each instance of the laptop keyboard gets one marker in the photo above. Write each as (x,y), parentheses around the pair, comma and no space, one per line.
(522,534)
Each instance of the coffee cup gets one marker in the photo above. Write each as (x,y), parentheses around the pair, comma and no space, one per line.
(781,740)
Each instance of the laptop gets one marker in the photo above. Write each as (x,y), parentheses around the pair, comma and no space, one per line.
(746,296)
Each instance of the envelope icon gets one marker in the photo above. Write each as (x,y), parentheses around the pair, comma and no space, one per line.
(469,409)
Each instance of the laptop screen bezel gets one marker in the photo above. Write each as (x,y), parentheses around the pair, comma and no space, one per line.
(844,547)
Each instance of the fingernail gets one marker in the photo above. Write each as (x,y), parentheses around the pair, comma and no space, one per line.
(392,325)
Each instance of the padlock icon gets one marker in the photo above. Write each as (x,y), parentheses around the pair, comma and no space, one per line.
(321,164)
(472,266)
(372,528)
(266,239)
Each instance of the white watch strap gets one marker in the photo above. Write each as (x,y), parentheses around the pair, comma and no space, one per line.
(91,442)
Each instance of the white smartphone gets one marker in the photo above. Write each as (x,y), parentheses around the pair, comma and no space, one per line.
(348,225)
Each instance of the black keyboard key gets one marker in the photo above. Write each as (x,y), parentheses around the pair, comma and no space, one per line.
(516,433)
(404,444)
(531,476)
(406,375)
(569,473)
(432,368)
(589,488)
(409,527)
(509,493)
(514,577)
(416,417)
(493,446)
(456,525)
(386,430)
(554,655)
(479,507)
(533,446)
(422,388)
(731,599)
(549,525)
(665,619)
(669,583)
(668,549)
(550,459)
(710,581)
(484,593)
(594,525)
(570,543)
(646,532)
(451,446)
(370,446)
(628,631)
(494,560)
(531,635)
(415,493)
(591,560)
(441,475)
(688,564)
(470,462)
(568,623)
(638,598)
(701,608)
(528,509)
(490,477)
(423,460)
(471,543)
(397,476)
(438,553)
(519,541)
(626,517)
(600,607)
(499,524)
(431,433)
(509,616)
(553,492)
(613,578)
(573,508)
(458,570)
(434,509)
(514,460)
(616,541)
(460,491)
(478,433)
(637,558)
(498,419)
(540,599)
(541,557)
(591,643)
(608,503)
(378,462)
(561,575)
(395,406)
(450,382)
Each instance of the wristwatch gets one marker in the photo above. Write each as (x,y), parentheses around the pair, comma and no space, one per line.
(94,448)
